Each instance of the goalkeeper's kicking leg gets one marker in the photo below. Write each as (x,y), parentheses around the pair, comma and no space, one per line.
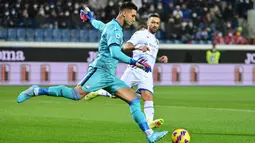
(149,109)
(58,91)
(128,95)
(148,105)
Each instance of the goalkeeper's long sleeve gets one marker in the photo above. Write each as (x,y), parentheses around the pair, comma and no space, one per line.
(99,25)
(116,53)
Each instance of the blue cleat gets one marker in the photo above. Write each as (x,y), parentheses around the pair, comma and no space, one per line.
(28,93)
(156,136)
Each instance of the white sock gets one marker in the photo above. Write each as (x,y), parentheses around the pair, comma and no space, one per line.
(148,132)
(36,91)
(149,110)
(104,93)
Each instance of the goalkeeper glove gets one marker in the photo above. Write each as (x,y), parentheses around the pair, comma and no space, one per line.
(141,63)
(86,14)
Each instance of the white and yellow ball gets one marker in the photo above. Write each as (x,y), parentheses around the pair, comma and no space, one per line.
(180,136)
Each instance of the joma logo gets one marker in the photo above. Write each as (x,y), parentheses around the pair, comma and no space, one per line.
(9,55)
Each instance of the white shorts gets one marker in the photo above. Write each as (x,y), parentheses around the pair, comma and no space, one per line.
(134,77)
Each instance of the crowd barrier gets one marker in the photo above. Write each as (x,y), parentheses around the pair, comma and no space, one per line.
(55,73)
(52,63)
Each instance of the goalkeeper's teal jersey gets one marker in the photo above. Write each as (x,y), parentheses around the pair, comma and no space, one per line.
(111,35)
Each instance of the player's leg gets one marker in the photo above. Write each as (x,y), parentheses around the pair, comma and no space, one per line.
(128,77)
(145,88)
(59,91)
(127,94)
(148,104)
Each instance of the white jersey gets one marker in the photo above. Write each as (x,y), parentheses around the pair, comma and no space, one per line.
(145,38)
(134,76)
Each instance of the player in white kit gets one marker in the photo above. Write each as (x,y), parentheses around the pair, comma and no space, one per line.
(144,44)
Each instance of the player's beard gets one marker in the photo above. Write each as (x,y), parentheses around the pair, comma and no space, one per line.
(153,30)
(127,24)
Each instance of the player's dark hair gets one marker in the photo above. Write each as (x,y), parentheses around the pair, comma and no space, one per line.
(141,26)
(128,5)
(154,15)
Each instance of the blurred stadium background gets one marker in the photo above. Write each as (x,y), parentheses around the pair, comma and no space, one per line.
(183,21)
(211,95)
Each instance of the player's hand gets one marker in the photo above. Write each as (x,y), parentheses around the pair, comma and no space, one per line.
(142,64)
(143,48)
(86,14)
(163,59)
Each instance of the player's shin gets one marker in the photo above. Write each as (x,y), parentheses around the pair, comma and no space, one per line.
(139,117)
(59,91)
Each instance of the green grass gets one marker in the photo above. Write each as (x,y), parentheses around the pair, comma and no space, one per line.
(210,114)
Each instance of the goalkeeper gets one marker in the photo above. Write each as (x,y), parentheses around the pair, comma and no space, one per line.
(133,76)
(101,74)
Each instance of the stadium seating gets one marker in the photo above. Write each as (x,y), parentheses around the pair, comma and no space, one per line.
(204,16)
(21,34)
(30,34)
(65,35)
(39,34)
(74,35)
(94,35)
(48,35)
(57,35)
(84,36)
(12,34)
(3,33)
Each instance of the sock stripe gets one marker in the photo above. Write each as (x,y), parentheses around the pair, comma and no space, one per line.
(43,91)
(135,100)
(149,107)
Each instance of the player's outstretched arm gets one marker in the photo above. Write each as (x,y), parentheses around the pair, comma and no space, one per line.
(136,42)
(119,55)
(99,25)
(130,47)
(86,14)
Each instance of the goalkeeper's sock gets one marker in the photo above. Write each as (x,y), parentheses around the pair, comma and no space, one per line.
(139,117)
(59,91)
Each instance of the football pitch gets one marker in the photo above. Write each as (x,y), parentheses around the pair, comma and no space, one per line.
(210,114)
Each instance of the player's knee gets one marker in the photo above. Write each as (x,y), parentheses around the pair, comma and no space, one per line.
(134,105)
(76,95)
(80,91)
(146,95)
(134,101)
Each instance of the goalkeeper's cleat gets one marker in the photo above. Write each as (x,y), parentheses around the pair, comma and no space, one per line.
(156,123)
(156,136)
(26,94)
(91,95)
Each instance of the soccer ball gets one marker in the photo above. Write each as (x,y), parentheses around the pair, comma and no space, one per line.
(180,136)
